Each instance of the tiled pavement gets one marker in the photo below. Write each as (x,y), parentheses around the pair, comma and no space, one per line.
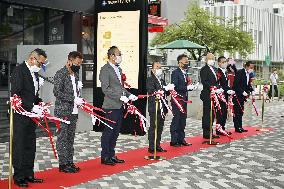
(254,162)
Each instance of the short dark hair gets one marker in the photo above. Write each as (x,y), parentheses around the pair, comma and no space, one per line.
(74,55)
(40,52)
(111,51)
(154,62)
(181,56)
(248,63)
(220,58)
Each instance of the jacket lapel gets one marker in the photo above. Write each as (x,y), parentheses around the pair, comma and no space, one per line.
(113,72)
(29,75)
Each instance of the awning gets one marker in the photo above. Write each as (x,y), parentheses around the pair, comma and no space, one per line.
(156,20)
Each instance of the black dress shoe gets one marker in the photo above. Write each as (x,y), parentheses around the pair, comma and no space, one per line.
(21,183)
(107,161)
(67,169)
(160,149)
(175,144)
(184,143)
(239,130)
(74,166)
(116,160)
(34,180)
(243,130)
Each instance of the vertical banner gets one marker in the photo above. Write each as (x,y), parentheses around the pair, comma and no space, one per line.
(122,30)
(122,23)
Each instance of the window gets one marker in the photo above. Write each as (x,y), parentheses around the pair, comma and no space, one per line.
(275,10)
(56,27)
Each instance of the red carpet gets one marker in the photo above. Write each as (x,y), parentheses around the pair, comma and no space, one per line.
(92,169)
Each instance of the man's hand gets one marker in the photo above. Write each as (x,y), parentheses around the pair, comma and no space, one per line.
(79,101)
(80,85)
(37,109)
(124,99)
(133,97)
(230,92)
(191,87)
(169,87)
(245,93)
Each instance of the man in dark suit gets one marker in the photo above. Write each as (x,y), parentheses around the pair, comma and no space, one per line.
(179,79)
(115,96)
(155,83)
(66,91)
(243,89)
(208,80)
(223,83)
(25,84)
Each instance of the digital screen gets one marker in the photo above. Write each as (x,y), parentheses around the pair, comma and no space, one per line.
(119,29)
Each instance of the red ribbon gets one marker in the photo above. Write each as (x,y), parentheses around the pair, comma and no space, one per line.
(123,78)
(221,130)
(131,109)
(177,100)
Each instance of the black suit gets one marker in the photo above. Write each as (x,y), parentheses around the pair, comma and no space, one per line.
(223,83)
(153,85)
(179,119)
(208,79)
(24,138)
(241,84)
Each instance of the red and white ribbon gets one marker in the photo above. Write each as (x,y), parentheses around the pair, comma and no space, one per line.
(88,108)
(221,130)
(214,99)
(231,106)
(16,103)
(177,100)
(254,105)
(131,109)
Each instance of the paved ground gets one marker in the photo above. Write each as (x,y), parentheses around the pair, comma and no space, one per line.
(254,162)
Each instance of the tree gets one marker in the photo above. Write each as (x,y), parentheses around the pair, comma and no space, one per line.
(217,34)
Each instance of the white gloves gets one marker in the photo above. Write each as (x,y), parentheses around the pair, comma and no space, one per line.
(124,99)
(245,94)
(80,85)
(218,91)
(37,109)
(230,92)
(169,87)
(40,81)
(79,101)
(253,93)
(191,87)
(132,97)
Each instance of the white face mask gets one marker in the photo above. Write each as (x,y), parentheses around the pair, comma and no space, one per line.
(118,60)
(224,65)
(211,62)
(250,70)
(34,68)
(159,72)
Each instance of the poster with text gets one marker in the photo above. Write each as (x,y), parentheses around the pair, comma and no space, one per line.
(119,29)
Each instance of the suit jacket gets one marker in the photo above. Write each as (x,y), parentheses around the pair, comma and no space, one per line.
(208,79)
(22,84)
(63,92)
(223,81)
(179,80)
(241,85)
(111,87)
(154,85)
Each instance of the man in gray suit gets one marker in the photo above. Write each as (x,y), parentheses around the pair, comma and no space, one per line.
(115,95)
(66,91)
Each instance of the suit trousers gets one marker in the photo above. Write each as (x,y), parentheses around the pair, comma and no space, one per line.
(65,140)
(206,118)
(178,124)
(24,146)
(109,136)
(221,116)
(238,111)
(151,131)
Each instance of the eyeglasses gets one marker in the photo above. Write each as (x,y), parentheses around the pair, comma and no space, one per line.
(41,63)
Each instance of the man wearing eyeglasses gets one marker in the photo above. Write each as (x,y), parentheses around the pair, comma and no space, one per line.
(25,83)
(67,93)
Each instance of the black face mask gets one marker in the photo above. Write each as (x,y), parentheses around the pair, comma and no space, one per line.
(185,66)
(75,68)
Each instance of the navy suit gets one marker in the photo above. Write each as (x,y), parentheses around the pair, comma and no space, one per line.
(240,85)
(179,118)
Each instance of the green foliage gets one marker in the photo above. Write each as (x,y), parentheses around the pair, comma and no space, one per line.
(218,34)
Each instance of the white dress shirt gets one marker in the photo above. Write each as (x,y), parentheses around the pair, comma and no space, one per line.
(247,74)
(273,78)
(75,108)
(116,69)
(224,72)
